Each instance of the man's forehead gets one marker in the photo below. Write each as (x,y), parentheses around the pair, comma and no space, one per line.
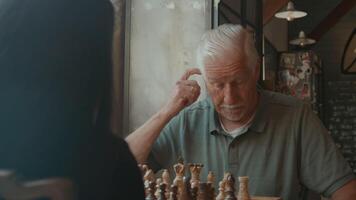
(226,65)
(228,75)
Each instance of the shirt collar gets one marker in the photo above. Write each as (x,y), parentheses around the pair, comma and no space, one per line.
(260,120)
(214,125)
(258,123)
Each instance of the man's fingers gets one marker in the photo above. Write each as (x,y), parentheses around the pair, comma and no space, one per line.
(189,72)
(188,82)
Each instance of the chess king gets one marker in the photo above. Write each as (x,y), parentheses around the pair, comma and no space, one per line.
(275,140)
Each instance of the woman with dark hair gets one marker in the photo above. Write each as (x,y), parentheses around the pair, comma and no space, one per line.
(55,77)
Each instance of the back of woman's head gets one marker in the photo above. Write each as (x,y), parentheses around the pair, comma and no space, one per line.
(55,62)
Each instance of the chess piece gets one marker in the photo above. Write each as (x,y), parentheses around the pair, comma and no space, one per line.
(158,183)
(184,193)
(221,195)
(150,190)
(211,178)
(149,176)
(226,174)
(173,195)
(230,188)
(210,185)
(148,179)
(194,193)
(195,170)
(243,188)
(143,168)
(179,170)
(161,192)
(166,179)
(203,192)
(180,160)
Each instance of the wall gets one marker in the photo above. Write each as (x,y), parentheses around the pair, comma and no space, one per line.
(341,121)
(163,40)
(276,37)
(339,89)
(276,32)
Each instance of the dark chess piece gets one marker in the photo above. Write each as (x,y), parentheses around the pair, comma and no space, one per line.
(194,193)
(203,191)
(144,168)
(210,192)
(173,195)
(150,191)
(162,191)
(230,188)
(210,186)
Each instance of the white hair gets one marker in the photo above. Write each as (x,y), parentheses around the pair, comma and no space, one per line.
(227,37)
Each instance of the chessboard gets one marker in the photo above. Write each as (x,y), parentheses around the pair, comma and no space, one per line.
(183,188)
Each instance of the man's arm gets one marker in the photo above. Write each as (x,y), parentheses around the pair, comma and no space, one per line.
(185,93)
(346,192)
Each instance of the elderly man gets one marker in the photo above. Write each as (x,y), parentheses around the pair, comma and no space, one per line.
(274,139)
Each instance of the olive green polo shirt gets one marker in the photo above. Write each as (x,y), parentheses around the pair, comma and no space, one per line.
(285,147)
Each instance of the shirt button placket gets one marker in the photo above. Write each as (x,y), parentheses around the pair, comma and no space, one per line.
(233,157)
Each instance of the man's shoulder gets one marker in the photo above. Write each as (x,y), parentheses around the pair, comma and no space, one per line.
(194,111)
(201,105)
(279,99)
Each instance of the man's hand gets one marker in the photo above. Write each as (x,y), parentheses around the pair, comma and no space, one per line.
(185,93)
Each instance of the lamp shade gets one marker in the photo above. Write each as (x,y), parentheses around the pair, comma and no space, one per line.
(291,13)
(302,40)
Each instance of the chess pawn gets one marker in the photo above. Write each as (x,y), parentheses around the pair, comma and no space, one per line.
(211,178)
(230,188)
(221,195)
(166,180)
(210,185)
(243,188)
(165,177)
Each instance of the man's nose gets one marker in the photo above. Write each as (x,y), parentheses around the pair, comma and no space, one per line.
(230,95)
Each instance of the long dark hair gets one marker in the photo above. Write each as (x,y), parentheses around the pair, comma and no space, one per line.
(55,71)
